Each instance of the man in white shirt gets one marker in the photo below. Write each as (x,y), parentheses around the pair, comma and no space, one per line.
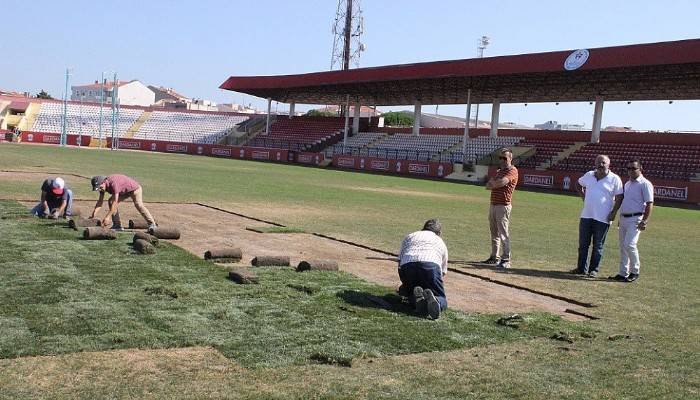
(422,266)
(601,190)
(634,216)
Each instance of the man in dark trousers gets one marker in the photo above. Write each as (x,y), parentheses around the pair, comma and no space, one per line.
(56,199)
(422,267)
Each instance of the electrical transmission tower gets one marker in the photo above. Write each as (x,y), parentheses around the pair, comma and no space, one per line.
(348,28)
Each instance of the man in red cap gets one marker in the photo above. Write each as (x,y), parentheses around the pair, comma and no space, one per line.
(56,199)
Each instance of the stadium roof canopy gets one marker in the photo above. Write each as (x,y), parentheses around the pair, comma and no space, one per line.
(655,71)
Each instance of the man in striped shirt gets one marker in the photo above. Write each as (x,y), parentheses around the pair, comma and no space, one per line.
(422,266)
(501,186)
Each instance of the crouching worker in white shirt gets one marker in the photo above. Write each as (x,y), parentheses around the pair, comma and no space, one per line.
(422,267)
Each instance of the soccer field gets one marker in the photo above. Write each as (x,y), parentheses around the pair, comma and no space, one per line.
(643,344)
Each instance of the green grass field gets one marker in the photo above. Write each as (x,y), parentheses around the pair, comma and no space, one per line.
(85,303)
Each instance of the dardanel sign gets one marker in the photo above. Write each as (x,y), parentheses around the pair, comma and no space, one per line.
(538,180)
(671,193)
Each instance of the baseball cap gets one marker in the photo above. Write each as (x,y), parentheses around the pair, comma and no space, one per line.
(96,181)
(57,186)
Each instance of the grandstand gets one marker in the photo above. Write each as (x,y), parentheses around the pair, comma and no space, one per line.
(187,127)
(301,133)
(546,152)
(666,161)
(83,119)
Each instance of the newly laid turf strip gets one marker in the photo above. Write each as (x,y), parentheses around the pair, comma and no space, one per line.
(60,294)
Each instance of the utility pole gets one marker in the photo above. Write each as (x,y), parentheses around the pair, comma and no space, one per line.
(64,127)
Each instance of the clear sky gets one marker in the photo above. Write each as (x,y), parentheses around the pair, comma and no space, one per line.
(193,46)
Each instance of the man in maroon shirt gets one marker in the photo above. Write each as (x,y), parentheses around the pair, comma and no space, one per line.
(120,187)
(501,186)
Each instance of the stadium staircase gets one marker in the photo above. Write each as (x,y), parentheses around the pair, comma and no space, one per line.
(562,155)
(456,148)
(137,125)
(32,113)
(246,130)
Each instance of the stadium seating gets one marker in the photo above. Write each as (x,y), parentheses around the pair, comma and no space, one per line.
(661,161)
(545,151)
(187,126)
(354,143)
(301,133)
(482,146)
(83,119)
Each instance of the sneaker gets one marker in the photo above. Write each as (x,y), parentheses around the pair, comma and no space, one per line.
(577,271)
(632,277)
(117,228)
(432,304)
(491,261)
(419,296)
(618,278)
(593,274)
(504,264)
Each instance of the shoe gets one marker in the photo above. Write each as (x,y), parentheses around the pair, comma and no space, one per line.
(632,277)
(577,271)
(593,274)
(491,261)
(618,278)
(117,228)
(419,296)
(504,264)
(432,304)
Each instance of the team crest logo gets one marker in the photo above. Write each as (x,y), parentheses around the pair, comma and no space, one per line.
(153,147)
(200,150)
(576,59)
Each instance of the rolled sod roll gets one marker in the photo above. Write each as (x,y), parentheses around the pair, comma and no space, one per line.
(138,224)
(242,276)
(83,222)
(145,236)
(99,233)
(144,247)
(317,265)
(230,254)
(264,261)
(165,232)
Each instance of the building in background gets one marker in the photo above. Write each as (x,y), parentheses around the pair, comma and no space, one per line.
(556,126)
(129,93)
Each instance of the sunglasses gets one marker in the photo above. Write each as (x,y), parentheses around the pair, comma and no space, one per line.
(502,158)
(632,168)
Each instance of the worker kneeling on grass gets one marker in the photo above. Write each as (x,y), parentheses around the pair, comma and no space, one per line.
(56,199)
(422,268)
(120,187)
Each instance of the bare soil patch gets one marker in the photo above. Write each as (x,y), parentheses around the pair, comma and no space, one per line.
(204,228)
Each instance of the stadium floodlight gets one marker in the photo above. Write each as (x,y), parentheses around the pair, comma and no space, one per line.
(481,44)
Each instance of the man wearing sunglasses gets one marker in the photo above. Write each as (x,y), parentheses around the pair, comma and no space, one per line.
(501,186)
(601,190)
(634,216)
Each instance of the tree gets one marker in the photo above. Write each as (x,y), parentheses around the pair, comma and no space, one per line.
(393,118)
(319,113)
(43,95)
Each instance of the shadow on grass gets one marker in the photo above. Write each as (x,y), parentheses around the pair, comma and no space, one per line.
(390,302)
(536,273)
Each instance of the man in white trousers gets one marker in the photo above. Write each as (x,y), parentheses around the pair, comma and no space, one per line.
(635,210)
